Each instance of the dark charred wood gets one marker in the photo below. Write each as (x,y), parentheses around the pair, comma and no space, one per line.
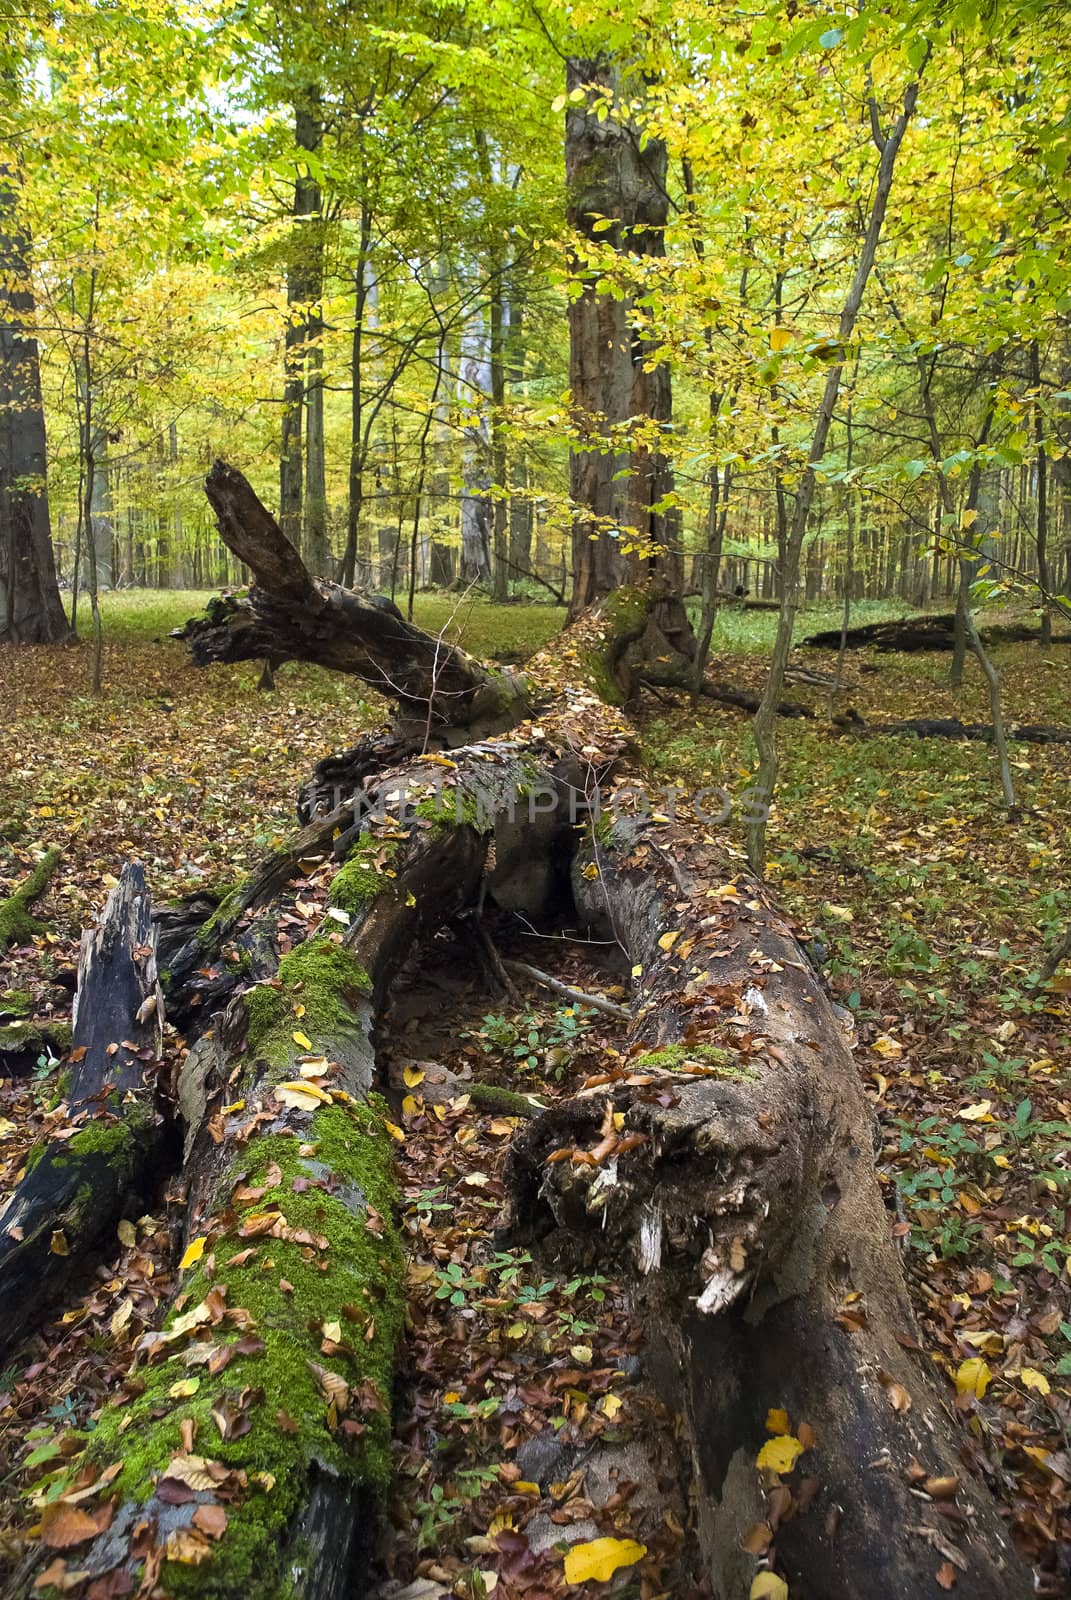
(953,728)
(728,1160)
(70,1200)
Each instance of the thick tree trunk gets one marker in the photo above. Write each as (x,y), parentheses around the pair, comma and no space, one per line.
(78,1185)
(727,1159)
(612,175)
(31,611)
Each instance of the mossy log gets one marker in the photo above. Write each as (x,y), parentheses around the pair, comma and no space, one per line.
(74,1193)
(729,1161)
(17,926)
(288,615)
(927,632)
(254,1433)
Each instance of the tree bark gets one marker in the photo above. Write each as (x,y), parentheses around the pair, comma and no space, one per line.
(727,1159)
(621,393)
(70,1199)
(31,611)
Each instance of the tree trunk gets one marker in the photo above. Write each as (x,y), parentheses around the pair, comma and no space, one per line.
(1042,524)
(763,730)
(80,1184)
(726,1157)
(613,378)
(31,611)
(302,275)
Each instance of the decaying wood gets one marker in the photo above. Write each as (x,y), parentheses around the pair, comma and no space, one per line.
(16,924)
(728,1161)
(96,1163)
(287,1156)
(909,634)
(576,997)
(727,1157)
(288,615)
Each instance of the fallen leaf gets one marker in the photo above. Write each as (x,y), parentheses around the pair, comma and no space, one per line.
(781,1454)
(973,1377)
(192,1253)
(63,1526)
(768,1586)
(598,1560)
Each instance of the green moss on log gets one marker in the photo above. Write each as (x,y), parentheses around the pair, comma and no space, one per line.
(366,873)
(290,1292)
(16,924)
(672,1057)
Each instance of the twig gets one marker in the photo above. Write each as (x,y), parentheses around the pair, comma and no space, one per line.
(608,1007)
(494,960)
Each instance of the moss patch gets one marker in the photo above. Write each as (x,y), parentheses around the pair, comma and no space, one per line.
(16,924)
(327,980)
(366,873)
(674,1056)
(289,1291)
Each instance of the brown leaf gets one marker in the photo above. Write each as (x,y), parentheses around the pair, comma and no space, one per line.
(757,1539)
(946,1575)
(211,1519)
(64,1526)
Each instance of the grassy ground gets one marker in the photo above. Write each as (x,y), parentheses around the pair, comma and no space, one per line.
(928,907)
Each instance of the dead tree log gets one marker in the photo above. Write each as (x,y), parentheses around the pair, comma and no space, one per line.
(728,1159)
(253,1439)
(79,1184)
(910,634)
(288,615)
(739,1180)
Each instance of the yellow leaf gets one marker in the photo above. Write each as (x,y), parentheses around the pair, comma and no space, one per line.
(973,1377)
(780,338)
(781,1454)
(598,1561)
(668,940)
(58,1244)
(184,1388)
(777,1422)
(412,1076)
(768,1586)
(969,518)
(301,1096)
(591,871)
(395,1132)
(1030,1378)
(193,1252)
(127,1233)
(451,1397)
(637,972)
(581,1354)
(333,1331)
(979,1112)
(303,1040)
(887,1046)
(611,1405)
(410,1105)
(235,1105)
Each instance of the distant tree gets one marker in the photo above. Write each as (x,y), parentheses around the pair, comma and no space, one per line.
(31,611)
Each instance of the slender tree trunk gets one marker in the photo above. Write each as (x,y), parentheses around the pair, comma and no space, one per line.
(355,499)
(303,279)
(473,388)
(499,454)
(764,724)
(31,611)
(1044,574)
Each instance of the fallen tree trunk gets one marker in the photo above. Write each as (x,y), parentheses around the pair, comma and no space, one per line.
(293,1280)
(288,615)
(910,634)
(728,1160)
(728,1157)
(80,1182)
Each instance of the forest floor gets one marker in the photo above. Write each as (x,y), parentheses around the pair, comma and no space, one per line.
(524,1403)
